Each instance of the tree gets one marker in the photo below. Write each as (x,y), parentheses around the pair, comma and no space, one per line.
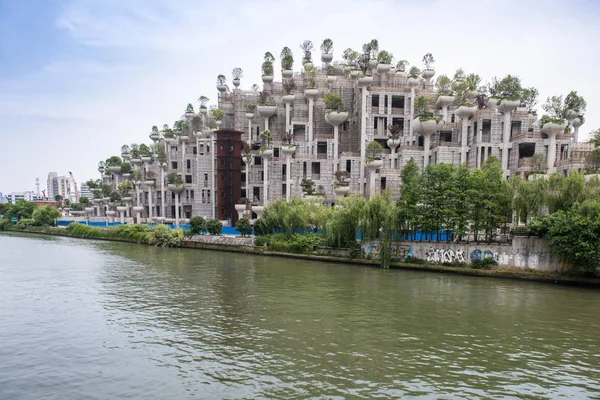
(377,221)
(592,161)
(21,210)
(595,137)
(197,225)
(410,196)
(244,227)
(327,45)
(214,227)
(341,227)
(437,210)
(575,102)
(58,198)
(539,162)
(45,216)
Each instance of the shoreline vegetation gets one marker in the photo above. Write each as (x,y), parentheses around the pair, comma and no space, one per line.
(178,240)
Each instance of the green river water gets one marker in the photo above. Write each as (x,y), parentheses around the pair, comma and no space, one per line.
(101,320)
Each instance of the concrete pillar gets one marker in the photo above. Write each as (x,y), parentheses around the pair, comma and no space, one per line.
(311,104)
(265,180)
(177,210)
(162,191)
(426,145)
(288,176)
(363,139)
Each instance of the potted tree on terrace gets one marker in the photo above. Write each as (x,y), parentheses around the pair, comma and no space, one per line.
(341,186)
(237,74)
(266,107)
(374,151)
(154,134)
(307,47)
(413,77)
(351,57)
(126,170)
(401,66)
(445,94)
(267,137)
(221,83)
(363,63)
(394,140)
(218,116)
(426,124)
(384,62)
(189,111)
(308,190)
(370,52)
(145,153)
(326,51)
(203,100)
(250,108)
(289,147)
(113,164)
(125,152)
(428,72)
(310,75)
(267,68)
(289,86)
(287,63)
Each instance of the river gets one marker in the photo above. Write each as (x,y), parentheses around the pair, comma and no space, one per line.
(86,319)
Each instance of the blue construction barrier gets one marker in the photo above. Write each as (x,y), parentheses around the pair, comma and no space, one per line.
(227,230)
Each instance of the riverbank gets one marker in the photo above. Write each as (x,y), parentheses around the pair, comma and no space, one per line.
(238,247)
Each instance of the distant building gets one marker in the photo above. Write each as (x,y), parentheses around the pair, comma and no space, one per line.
(3,199)
(85,191)
(52,185)
(27,196)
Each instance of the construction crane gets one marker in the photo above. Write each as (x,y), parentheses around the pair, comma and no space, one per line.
(75,186)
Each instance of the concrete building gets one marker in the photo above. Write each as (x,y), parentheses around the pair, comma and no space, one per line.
(27,196)
(85,191)
(219,183)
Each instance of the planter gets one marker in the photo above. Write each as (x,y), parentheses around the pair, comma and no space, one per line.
(146,159)
(149,183)
(249,115)
(258,210)
(473,94)
(175,188)
(122,208)
(341,190)
(427,127)
(354,73)
(532,118)
(288,150)
(240,208)
(267,78)
(444,101)
(127,175)
(393,143)
(428,74)
(373,64)
(222,88)
(413,82)
(365,81)
(126,199)
(266,111)
(336,118)
(375,164)
(114,169)
(288,98)
(331,78)
(266,153)
(203,110)
(577,122)
(247,161)
(183,138)
(551,128)
(505,106)
(307,65)
(138,209)
(465,111)
(571,115)
(136,161)
(311,93)
(287,73)
(236,83)
(159,219)
(97,201)
(401,74)
(492,103)
(154,136)
(89,210)
(383,68)
(106,199)
(326,57)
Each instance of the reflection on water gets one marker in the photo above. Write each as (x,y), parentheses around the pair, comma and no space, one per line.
(83,319)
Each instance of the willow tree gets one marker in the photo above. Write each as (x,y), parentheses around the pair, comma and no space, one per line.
(410,196)
(377,221)
(342,225)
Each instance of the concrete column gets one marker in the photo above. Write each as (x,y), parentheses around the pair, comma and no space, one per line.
(212,171)
(311,104)
(249,141)
(336,132)
(426,145)
(372,183)
(162,191)
(150,212)
(265,180)
(505,140)
(552,153)
(411,137)
(463,140)
(177,210)
(288,176)
(363,139)
(287,117)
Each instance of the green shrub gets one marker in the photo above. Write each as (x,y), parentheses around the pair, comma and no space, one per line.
(214,227)
(3,223)
(25,223)
(520,231)
(163,236)
(303,243)
(260,228)
(197,225)
(260,241)
(485,263)
(243,225)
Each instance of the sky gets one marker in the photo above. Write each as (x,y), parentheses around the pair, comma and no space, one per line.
(80,78)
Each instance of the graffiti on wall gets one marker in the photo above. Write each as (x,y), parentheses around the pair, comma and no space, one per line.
(444,255)
(482,255)
(398,252)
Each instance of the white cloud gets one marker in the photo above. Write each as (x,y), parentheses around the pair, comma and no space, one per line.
(144,60)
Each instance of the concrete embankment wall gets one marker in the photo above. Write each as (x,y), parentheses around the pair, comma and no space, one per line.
(523,252)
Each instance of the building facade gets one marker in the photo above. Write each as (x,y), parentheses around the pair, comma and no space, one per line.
(226,171)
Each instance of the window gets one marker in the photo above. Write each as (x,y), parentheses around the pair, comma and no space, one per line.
(207,149)
(222,178)
(222,162)
(257,160)
(188,163)
(205,177)
(316,171)
(243,177)
(321,147)
(397,101)
(276,152)
(349,165)
(188,179)
(208,195)
(173,164)
(194,150)
(192,194)
(375,100)
(222,194)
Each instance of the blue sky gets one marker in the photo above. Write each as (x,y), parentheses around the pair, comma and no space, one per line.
(79,78)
